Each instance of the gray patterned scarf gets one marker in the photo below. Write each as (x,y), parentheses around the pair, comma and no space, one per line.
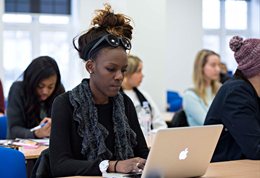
(94,133)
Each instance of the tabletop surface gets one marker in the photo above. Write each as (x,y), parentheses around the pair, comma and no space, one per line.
(32,153)
(228,169)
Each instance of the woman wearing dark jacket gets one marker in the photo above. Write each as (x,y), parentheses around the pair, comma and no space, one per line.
(95,127)
(30,100)
(237,105)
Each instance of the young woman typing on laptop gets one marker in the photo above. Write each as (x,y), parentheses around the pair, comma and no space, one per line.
(95,127)
(237,105)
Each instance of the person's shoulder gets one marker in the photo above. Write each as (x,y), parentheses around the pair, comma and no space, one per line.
(17,84)
(62,97)
(144,92)
(127,100)
(126,97)
(190,92)
(235,84)
(237,87)
(60,89)
(141,90)
(16,87)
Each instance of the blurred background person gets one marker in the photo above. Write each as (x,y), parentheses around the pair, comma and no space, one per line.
(30,100)
(237,105)
(224,75)
(131,82)
(196,100)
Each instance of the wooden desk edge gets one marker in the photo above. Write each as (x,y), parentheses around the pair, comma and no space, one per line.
(213,172)
(32,153)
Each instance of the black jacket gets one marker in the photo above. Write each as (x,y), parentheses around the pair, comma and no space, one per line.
(237,107)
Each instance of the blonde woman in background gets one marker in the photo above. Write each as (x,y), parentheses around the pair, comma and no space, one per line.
(196,101)
(132,80)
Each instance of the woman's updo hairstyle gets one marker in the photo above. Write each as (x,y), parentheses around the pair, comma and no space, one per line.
(105,22)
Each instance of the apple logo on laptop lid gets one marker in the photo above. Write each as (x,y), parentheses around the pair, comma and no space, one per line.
(183,154)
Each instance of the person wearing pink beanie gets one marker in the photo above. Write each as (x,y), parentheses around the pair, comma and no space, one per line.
(237,105)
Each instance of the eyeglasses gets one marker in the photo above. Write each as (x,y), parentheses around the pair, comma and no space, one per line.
(112,40)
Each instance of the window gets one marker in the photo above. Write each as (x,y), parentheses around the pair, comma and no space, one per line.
(236,15)
(223,19)
(38,6)
(17,55)
(28,35)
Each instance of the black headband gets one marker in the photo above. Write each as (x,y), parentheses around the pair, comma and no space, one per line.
(107,40)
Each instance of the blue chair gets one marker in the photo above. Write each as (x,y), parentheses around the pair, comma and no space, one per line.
(174,101)
(12,163)
(3,127)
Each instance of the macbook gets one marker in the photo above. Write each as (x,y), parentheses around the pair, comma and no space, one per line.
(180,152)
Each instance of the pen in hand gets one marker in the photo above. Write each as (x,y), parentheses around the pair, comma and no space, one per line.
(38,127)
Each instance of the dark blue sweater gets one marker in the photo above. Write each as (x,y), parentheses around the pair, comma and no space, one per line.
(237,107)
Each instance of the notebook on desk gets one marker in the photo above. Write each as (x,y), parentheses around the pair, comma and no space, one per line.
(180,152)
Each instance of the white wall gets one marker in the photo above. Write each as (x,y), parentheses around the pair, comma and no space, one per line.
(167,34)
(149,43)
(184,31)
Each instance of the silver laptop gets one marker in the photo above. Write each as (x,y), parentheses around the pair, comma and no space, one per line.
(180,152)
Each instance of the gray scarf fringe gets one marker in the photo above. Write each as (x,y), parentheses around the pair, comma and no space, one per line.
(94,133)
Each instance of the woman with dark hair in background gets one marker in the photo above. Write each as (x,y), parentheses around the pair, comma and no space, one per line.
(30,100)
(95,127)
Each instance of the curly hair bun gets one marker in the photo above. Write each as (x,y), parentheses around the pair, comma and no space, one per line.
(117,24)
(235,43)
(105,22)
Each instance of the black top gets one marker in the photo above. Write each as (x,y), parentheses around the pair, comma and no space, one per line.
(237,107)
(65,143)
(17,120)
(18,126)
(105,118)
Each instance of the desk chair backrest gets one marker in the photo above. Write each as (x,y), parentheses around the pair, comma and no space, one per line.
(3,127)
(179,119)
(174,101)
(12,163)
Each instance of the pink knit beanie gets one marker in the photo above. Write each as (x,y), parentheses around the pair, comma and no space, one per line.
(247,55)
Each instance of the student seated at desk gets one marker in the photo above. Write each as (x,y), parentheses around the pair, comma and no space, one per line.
(30,100)
(196,101)
(132,80)
(94,126)
(237,105)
